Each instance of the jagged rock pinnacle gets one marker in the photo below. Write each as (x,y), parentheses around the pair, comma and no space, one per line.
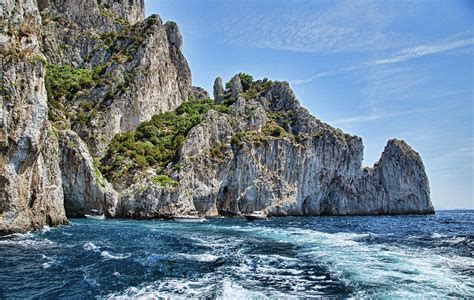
(218,90)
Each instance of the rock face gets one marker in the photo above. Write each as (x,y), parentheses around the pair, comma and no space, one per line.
(139,69)
(77,73)
(236,86)
(199,93)
(274,156)
(218,91)
(83,184)
(30,179)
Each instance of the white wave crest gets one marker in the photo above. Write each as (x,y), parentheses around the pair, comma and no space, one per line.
(399,271)
(108,255)
(89,246)
(207,257)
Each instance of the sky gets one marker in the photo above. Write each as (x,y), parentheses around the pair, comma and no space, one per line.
(376,69)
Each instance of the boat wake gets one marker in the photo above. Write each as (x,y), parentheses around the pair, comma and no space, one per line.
(290,258)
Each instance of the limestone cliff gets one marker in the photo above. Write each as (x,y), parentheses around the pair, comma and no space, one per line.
(96,67)
(136,65)
(98,111)
(31,194)
(266,152)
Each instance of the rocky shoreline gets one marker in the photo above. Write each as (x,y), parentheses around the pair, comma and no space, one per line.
(98,111)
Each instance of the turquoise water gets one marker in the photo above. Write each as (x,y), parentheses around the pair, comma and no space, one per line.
(390,256)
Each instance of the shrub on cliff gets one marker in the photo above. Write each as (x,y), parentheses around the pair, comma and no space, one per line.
(155,143)
(65,81)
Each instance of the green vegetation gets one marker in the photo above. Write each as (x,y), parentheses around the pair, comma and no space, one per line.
(98,175)
(251,88)
(164,180)
(152,20)
(35,59)
(129,39)
(217,152)
(65,81)
(155,143)
(270,130)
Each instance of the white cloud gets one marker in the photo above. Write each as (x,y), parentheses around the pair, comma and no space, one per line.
(401,56)
(423,50)
(324,74)
(333,27)
(363,119)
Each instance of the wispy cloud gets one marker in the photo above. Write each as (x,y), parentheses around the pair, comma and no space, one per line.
(324,74)
(423,50)
(365,119)
(440,101)
(326,27)
(401,56)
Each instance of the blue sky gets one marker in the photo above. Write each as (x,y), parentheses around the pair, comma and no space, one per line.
(377,69)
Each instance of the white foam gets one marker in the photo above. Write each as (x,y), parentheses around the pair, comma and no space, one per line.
(455,240)
(232,290)
(89,246)
(108,255)
(436,235)
(28,243)
(206,257)
(358,263)
(45,229)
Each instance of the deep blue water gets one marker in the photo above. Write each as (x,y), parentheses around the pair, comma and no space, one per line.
(390,256)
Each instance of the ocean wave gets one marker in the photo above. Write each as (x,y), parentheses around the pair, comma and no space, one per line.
(108,255)
(436,235)
(195,289)
(49,261)
(45,229)
(28,242)
(206,257)
(366,265)
(168,289)
(90,246)
(456,240)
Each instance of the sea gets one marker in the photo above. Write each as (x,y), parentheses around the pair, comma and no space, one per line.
(229,258)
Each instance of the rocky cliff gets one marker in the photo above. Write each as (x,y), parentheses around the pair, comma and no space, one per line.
(31,193)
(98,111)
(263,151)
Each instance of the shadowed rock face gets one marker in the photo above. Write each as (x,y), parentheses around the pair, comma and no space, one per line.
(263,152)
(83,185)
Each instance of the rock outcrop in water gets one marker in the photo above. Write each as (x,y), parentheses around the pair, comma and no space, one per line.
(80,78)
(268,153)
